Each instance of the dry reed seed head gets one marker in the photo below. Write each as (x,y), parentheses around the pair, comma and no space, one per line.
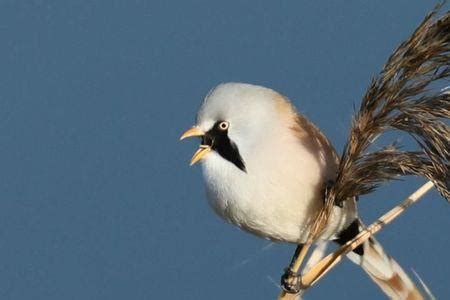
(401,98)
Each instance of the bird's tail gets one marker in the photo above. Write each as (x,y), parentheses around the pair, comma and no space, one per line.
(385,271)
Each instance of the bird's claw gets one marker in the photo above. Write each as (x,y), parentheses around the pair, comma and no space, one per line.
(291,281)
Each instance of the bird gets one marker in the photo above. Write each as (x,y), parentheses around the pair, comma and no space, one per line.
(265,167)
(271,172)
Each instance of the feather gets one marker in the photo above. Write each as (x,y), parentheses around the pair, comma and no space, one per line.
(385,272)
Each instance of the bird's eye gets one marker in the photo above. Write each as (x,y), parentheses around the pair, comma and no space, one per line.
(224,125)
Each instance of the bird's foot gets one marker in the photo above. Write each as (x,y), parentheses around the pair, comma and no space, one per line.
(291,281)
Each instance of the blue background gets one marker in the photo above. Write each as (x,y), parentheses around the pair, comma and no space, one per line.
(97,199)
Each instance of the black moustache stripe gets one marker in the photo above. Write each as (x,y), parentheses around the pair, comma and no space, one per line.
(228,150)
(220,142)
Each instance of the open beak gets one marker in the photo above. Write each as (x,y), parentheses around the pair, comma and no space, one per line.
(202,150)
(200,153)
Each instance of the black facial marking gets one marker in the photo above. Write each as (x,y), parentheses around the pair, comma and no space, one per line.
(349,233)
(207,140)
(219,141)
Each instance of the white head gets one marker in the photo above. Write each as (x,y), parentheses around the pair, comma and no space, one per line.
(235,119)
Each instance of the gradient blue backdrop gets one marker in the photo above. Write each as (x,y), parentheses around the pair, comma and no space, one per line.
(97,199)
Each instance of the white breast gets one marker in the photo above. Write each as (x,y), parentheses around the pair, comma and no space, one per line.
(276,198)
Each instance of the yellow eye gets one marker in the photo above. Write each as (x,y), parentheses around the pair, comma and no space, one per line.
(224,125)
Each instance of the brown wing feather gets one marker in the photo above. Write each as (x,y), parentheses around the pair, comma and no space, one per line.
(310,136)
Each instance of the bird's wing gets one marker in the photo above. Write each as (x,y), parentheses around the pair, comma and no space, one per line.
(310,136)
(317,138)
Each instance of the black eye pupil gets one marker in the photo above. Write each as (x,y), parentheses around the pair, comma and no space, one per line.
(223,125)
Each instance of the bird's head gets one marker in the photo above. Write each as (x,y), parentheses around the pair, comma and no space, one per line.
(234,120)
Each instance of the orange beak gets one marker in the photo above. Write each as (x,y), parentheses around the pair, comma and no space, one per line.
(203,149)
